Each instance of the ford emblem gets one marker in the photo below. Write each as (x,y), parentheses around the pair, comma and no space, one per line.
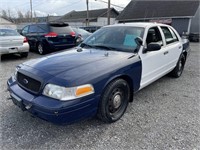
(25,81)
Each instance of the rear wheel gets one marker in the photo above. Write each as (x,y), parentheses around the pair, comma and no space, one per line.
(114,101)
(41,49)
(178,70)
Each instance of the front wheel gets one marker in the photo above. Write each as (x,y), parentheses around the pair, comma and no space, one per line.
(114,101)
(178,70)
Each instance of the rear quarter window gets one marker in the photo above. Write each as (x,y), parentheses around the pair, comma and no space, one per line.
(8,32)
(44,27)
(60,29)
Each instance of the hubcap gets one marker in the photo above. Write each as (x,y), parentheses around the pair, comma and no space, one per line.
(117,100)
(180,67)
(40,49)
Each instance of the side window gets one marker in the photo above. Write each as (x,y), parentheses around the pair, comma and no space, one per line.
(40,30)
(174,35)
(33,29)
(154,36)
(25,30)
(168,35)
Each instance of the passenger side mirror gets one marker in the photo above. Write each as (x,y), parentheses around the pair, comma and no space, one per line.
(152,47)
(79,40)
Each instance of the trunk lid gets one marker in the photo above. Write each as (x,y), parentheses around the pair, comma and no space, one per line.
(11,41)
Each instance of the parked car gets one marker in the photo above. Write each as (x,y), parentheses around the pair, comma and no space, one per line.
(81,34)
(49,37)
(11,42)
(91,29)
(101,76)
(194,37)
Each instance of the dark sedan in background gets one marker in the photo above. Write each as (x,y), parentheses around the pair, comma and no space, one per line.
(49,37)
(81,34)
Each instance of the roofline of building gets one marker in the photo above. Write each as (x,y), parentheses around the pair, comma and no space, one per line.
(112,8)
(174,17)
(110,11)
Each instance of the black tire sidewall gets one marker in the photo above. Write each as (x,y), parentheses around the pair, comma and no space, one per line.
(103,113)
(182,59)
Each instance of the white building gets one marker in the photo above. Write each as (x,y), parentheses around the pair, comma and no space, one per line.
(6,24)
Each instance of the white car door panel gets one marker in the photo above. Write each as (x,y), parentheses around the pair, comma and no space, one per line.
(174,51)
(153,66)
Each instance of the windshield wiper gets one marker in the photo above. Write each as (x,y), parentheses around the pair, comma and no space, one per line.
(105,47)
(98,46)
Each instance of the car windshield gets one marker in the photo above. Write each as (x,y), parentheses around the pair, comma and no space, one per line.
(120,38)
(8,32)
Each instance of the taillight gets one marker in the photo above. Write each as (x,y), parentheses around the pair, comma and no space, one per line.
(72,33)
(25,40)
(51,34)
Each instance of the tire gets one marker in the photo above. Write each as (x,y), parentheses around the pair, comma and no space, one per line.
(41,49)
(178,70)
(114,101)
(25,54)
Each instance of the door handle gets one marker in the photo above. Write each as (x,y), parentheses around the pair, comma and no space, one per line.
(180,47)
(166,52)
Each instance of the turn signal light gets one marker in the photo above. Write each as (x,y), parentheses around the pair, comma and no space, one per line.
(84,90)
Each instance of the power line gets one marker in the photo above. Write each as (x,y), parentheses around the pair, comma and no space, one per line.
(63,7)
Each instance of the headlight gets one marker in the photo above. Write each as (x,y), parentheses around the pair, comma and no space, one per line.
(15,73)
(64,94)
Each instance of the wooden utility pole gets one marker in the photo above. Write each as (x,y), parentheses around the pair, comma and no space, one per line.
(87,19)
(108,12)
(31,11)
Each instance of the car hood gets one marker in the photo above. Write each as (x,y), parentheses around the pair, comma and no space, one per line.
(73,65)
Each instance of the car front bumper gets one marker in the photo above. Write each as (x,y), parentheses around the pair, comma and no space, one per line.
(52,110)
(14,49)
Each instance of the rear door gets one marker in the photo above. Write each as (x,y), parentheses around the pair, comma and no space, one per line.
(173,47)
(32,36)
(153,63)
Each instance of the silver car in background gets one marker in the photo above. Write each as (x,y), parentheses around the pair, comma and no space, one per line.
(11,42)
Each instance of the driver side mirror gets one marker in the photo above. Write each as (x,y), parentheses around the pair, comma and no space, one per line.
(152,47)
(138,41)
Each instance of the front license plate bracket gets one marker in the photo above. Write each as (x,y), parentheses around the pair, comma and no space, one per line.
(17,101)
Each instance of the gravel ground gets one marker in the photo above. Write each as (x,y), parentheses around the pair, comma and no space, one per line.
(164,115)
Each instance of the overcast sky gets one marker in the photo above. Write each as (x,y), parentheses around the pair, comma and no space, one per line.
(56,7)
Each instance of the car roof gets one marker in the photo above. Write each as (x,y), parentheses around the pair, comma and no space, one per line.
(6,28)
(138,24)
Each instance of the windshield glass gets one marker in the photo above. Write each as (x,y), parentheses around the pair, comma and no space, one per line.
(8,32)
(120,38)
